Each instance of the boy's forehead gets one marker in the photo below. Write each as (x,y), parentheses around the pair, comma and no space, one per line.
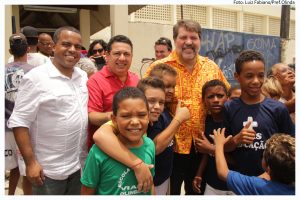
(216,88)
(252,63)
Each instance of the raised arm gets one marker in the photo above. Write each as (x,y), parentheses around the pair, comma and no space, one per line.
(163,139)
(34,171)
(108,142)
(221,164)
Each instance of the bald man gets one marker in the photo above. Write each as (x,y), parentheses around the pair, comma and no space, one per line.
(45,44)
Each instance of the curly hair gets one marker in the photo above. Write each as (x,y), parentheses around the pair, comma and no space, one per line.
(213,83)
(279,155)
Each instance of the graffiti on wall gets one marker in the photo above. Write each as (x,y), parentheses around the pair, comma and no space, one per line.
(224,47)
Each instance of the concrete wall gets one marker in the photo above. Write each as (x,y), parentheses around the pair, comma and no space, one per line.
(143,36)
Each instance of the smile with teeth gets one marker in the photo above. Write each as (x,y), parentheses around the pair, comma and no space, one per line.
(135,130)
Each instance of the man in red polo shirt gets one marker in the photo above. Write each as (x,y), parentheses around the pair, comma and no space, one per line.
(110,79)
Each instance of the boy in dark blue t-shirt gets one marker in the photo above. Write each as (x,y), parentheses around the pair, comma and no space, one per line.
(214,95)
(253,118)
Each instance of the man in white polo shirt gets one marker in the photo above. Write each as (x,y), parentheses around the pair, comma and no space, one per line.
(49,120)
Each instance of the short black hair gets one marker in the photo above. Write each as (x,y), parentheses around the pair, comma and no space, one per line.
(213,83)
(164,41)
(119,38)
(127,93)
(61,29)
(91,47)
(150,81)
(246,56)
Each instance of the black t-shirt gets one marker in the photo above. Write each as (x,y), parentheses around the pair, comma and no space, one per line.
(164,160)
(269,117)
(210,172)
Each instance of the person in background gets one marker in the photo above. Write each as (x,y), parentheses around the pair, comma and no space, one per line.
(14,73)
(49,119)
(271,88)
(278,161)
(286,77)
(87,65)
(162,47)
(33,57)
(234,92)
(45,44)
(96,53)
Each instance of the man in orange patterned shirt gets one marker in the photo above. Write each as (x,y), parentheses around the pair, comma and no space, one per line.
(193,71)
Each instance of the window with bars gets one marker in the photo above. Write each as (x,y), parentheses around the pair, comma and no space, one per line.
(154,13)
(253,23)
(224,19)
(274,26)
(194,12)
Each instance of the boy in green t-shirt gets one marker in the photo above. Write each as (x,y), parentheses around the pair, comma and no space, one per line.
(102,174)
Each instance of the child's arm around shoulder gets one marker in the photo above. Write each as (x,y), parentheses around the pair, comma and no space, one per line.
(221,164)
(108,142)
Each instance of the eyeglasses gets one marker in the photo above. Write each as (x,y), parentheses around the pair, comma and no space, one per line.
(98,50)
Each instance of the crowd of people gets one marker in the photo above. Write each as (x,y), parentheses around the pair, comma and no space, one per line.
(80,122)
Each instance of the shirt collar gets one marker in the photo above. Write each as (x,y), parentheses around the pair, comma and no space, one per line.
(107,73)
(54,72)
(173,57)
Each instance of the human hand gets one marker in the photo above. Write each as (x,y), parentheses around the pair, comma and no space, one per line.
(197,184)
(34,173)
(143,176)
(202,144)
(182,114)
(246,135)
(219,137)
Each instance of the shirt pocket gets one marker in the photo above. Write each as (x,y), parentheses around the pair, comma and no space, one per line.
(64,99)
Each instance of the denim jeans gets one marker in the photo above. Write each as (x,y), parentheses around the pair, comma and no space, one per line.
(69,186)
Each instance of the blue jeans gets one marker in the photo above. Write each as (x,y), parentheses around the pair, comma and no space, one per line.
(69,186)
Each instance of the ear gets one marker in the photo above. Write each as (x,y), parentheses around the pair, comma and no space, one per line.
(114,119)
(236,76)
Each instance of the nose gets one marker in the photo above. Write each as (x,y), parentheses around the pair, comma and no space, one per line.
(122,57)
(188,41)
(156,105)
(72,48)
(134,120)
(256,79)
